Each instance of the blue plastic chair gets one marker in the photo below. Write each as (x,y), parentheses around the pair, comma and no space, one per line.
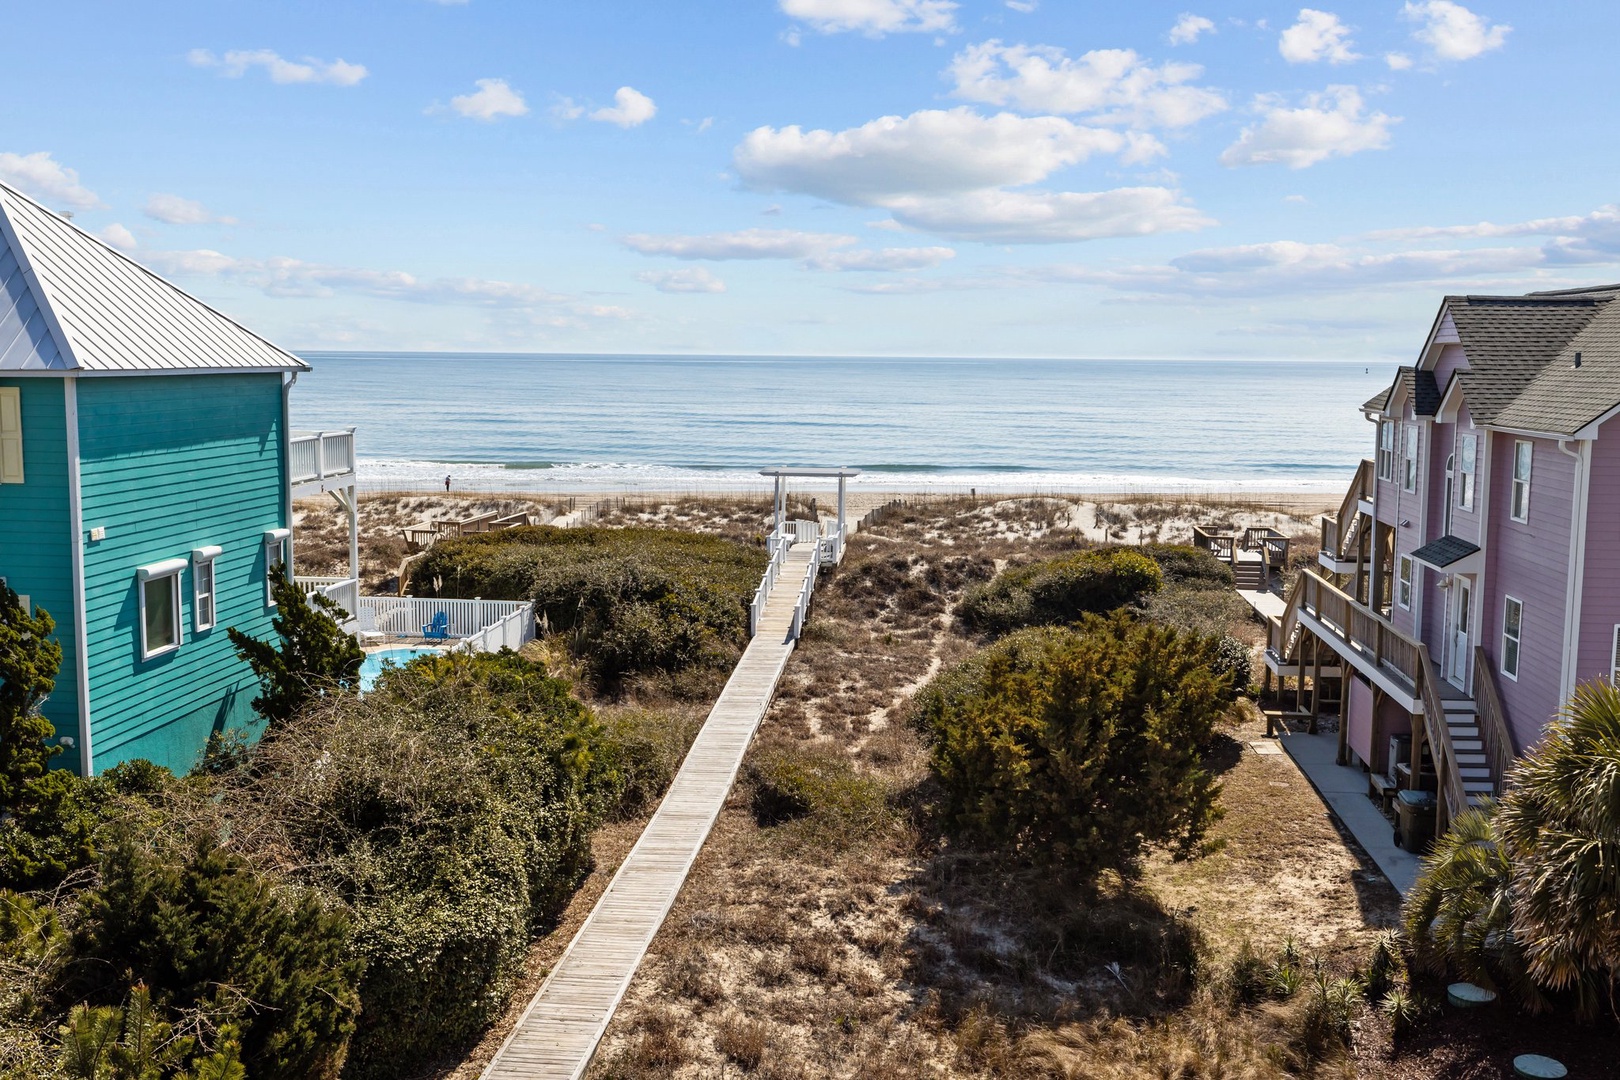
(439,628)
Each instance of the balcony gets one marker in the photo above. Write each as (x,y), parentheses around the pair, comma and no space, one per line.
(320,461)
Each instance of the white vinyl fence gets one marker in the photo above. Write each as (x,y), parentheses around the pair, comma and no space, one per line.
(474,625)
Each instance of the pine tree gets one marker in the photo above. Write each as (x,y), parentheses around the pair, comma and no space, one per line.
(29,660)
(315,657)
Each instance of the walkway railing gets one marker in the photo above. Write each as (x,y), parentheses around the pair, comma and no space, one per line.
(345,592)
(801,608)
(1357,628)
(1501,748)
(320,455)
(756,609)
(1216,544)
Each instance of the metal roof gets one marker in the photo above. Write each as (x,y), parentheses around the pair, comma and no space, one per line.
(71,304)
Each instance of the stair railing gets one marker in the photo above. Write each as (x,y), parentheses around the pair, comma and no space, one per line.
(1438,733)
(1501,748)
(1349,515)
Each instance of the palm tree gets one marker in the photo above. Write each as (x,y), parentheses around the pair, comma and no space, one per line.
(1561,825)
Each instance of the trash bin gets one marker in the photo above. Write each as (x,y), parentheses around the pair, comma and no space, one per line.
(1414,820)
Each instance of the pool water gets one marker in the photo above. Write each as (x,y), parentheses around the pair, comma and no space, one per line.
(373,665)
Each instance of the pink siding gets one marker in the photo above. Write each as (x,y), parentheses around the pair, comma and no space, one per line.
(1600,586)
(1529,561)
(1452,359)
(1396,505)
(1358,708)
(1465,523)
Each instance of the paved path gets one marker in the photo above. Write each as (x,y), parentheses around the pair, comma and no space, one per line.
(563,1024)
(1344,789)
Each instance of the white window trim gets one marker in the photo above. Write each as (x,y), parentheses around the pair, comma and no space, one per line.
(1614,657)
(1465,468)
(1518,652)
(1411,442)
(200,557)
(1386,451)
(170,570)
(1405,575)
(277,551)
(1514,480)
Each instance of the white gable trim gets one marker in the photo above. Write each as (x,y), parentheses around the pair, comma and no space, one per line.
(47,310)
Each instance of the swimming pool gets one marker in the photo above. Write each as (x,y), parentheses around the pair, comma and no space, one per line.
(373,665)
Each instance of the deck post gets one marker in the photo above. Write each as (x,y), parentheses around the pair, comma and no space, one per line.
(778,507)
(1316,682)
(1343,756)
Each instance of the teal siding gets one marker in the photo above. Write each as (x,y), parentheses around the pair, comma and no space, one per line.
(168,464)
(36,534)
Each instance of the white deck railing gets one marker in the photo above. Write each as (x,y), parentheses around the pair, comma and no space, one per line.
(406,616)
(345,592)
(511,632)
(320,455)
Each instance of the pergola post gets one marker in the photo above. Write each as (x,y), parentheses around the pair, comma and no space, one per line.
(777,506)
(841,482)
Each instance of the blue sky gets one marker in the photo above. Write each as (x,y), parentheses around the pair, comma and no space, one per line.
(915,177)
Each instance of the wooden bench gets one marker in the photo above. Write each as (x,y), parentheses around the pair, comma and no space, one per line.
(1383,789)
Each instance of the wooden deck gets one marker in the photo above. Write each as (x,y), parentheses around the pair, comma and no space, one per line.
(562,1026)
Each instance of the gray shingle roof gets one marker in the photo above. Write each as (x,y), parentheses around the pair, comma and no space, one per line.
(1510,339)
(70,303)
(1444,551)
(1420,388)
(1377,402)
(1563,398)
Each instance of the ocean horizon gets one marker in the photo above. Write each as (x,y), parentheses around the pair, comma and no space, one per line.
(538,422)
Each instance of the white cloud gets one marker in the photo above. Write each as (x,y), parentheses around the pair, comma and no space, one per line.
(1034,217)
(874,18)
(1580,239)
(693,279)
(119,237)
(884,259)
(567,109)
(631,108)
(493,99)
(42,177)
(742,244)
(946,172)
(175,210)
(1318,35)
(1397,61)
(1453,32)
(280,276)
(1026,6)
(236,63)
(1115,83)
(932,152)
(1189,27)
(1330,124)
(1296,199)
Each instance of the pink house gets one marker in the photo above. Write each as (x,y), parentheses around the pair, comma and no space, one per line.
(1471,577)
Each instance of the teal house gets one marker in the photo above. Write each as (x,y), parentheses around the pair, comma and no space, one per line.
(147,472)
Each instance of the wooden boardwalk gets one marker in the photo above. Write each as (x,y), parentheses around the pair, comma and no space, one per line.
(560,1029)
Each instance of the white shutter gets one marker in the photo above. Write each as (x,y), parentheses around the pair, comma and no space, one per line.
(11,444)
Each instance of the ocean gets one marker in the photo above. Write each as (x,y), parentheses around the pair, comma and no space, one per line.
(556,423)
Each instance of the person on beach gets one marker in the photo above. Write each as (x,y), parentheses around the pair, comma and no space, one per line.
(447,485)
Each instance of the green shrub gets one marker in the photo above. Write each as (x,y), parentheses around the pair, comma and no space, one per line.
(640,752)
(451,811)
(204,931)
(1189,567)
(820,787)
(1059,590)
(635,600)
(1081,746)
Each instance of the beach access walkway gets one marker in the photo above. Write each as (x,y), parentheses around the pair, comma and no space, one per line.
(563,1024)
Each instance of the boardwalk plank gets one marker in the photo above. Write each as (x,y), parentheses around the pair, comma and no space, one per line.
(564,1022)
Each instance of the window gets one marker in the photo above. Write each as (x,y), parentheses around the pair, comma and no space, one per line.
(202,586)
(1386,451)
(11,445)
(1409,458)
(1512,631)
(1467,456)
(277,553)
(159,586)
(1521,480)
(1403,594)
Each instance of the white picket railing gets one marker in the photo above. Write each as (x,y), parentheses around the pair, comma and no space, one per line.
(345,592)
(407,616)
(512,632)
(802,607)
(756,610)
(319,455)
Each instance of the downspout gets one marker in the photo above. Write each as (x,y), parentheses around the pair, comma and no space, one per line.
(81,636)
(286,463)
(1577,564)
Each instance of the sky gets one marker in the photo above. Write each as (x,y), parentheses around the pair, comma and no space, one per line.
(830,177)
